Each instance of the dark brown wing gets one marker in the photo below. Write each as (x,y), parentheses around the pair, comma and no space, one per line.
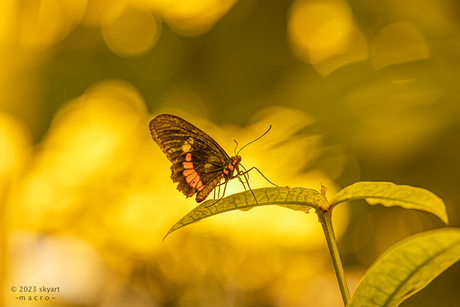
(197,160)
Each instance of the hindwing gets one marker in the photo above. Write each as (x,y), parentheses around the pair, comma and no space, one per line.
(197,160)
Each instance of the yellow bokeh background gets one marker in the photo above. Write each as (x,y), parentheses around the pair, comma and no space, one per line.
(353,91)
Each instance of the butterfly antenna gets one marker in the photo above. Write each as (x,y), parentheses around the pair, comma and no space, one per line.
(235,146)
(254,140)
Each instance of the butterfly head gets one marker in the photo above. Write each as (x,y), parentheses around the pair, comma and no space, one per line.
(235,162)
(231,167)
(237,159)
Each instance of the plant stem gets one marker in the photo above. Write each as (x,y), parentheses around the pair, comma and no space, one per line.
(326,222)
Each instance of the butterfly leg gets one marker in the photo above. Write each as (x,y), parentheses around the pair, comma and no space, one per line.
(247,182)
(242,182)
(216,191)
(247,171)
(223,194)
(247,179)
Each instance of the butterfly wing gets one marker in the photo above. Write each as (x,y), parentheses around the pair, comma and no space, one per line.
(197,160)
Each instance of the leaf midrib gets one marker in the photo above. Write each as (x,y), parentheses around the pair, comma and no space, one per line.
(430,259)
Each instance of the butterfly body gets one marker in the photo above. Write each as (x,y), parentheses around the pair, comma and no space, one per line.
(198,162)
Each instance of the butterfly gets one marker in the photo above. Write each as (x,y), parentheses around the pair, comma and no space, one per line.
(199,163)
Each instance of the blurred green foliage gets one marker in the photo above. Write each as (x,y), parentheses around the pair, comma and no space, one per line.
(355,90)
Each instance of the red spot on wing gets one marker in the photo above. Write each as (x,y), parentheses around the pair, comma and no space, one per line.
(195,181)
(191,177)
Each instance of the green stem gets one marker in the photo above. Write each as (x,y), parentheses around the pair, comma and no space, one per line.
(326,222)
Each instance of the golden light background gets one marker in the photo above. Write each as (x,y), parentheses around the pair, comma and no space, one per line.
(354,90)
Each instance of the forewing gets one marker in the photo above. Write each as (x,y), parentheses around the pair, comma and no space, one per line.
(175,135)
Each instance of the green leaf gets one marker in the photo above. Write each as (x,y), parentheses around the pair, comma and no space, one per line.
(301,199)
(390,194)
(407,267)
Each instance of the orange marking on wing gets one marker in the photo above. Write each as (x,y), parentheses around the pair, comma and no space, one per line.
(195,181)
(191,177)
(187,165)
(188,157)
(188,172)
(199,186)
